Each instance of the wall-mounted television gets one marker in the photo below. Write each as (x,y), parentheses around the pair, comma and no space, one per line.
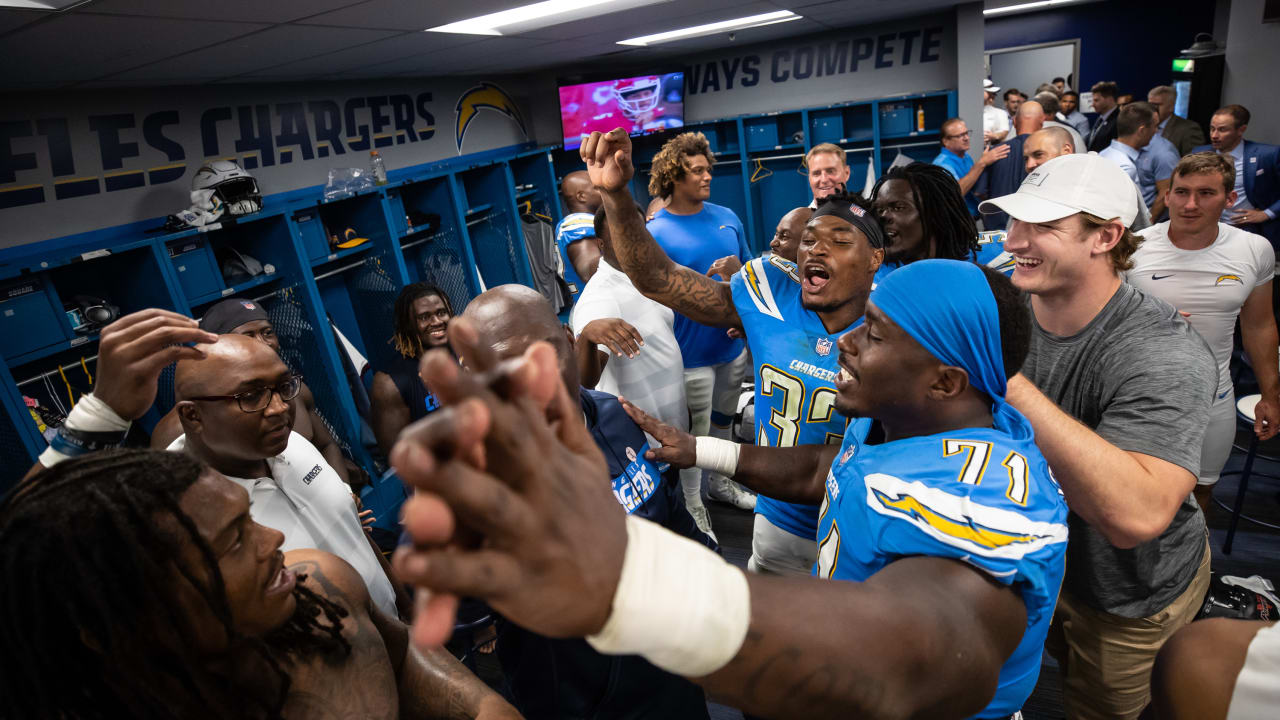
(643,104)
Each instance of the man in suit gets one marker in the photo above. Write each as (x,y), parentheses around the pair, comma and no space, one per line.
(1104,126)
(1183,133)
(1257,186)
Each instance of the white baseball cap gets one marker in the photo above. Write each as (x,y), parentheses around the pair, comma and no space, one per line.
(1068,184)
(989,86)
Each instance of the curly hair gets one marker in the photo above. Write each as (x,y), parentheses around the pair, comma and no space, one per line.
(668,165)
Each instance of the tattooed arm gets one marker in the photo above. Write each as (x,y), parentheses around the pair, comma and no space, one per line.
(692,294)
(430,685)
(433,684)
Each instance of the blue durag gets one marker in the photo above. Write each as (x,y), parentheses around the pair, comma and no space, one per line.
(947,306)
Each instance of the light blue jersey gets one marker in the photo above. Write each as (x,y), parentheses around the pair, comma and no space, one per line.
(991,254)
(574,227)
(983,496)
(795,364)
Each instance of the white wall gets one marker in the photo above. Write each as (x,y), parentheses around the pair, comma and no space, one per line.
(1253,54)
(970,61)
(1027,69)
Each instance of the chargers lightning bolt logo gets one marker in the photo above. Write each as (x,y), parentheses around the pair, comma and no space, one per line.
(481,97)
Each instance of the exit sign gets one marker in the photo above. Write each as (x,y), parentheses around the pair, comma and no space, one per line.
(1184,65)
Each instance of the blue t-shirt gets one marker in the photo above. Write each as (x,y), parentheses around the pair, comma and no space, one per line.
(696,241)
(958,166)
(983,496)
(574,227)
(795,359)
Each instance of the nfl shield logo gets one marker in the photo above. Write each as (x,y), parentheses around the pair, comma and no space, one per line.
(823,347)
(848,453)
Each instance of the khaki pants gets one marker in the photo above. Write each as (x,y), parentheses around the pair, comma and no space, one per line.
(1106,659)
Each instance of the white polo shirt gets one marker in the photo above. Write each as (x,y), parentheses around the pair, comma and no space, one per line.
(654,379)
(307,501)
(1211,283)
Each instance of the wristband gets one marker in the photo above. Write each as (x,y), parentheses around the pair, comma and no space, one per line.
(678,604)
(90,426)
(716,455)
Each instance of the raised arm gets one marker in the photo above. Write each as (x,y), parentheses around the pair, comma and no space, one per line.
(132,353)
(692,294)
(552,560)
(794,474)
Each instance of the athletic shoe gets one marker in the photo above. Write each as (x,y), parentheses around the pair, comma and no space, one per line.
(702,519)
(722,489)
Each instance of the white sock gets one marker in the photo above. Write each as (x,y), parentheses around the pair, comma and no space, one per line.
(691,484)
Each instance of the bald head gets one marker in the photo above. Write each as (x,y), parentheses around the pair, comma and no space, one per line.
(1030,117)
(578,193)
(1045,145)
(225,363)
(510,318)
(218,429)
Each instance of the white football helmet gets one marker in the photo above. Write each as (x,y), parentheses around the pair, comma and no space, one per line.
(229,183)
(637,95)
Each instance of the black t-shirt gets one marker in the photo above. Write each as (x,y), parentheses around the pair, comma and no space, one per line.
(404,373)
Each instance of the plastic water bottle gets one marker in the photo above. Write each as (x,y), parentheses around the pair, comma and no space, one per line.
(377,169)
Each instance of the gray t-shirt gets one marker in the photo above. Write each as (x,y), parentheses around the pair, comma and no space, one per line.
(1141,378)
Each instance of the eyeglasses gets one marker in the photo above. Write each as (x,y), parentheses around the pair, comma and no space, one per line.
(257,399)
(964,134)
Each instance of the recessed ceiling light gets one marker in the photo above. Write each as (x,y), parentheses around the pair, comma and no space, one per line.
(538,15)
(1025,6)
(742,23)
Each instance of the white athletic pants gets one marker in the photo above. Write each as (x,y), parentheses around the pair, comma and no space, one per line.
(714,388)
(1218,436)
(775,551)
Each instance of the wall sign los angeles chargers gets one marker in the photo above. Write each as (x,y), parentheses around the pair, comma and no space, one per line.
(485,96)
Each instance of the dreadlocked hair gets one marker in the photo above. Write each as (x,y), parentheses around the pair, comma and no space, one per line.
(943,214)
(405,336)
(91,619)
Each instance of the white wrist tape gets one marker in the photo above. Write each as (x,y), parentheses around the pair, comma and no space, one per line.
(678,604)
(88,415)
(717,455)
(93,415)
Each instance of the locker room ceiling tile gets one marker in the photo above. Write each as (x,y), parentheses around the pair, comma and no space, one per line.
(46,52)
(260,51)
(387,50)
(449,60)
(268,11)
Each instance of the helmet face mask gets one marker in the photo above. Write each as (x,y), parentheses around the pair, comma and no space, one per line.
(637,95)
(230,184)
